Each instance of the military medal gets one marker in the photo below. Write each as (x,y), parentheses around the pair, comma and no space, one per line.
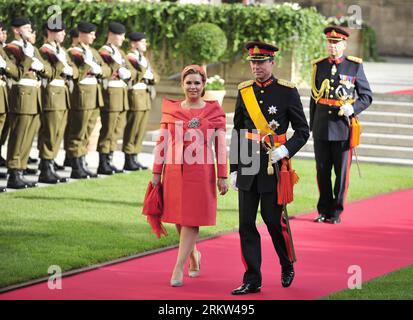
(272,110)
(274,125)
(333,70)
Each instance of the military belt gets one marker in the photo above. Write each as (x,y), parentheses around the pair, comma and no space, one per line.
(278,138)
(89,80)
(29,82)
(140,86)
(57,83)
(116,84)
(334,102)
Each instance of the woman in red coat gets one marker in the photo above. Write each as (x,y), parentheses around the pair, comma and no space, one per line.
(185,158)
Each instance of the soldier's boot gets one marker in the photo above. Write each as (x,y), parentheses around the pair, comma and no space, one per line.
(77,170)
(2,160)
(68,161)
(114,168)
(130,163)
(32,161)
(29,171)
(61,179)
(16,180)
(104,165)
(86,169)
(141,166)
(47,172)
(58,167)
(3,175)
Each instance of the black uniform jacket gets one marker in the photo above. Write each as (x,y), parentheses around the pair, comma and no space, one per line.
(281,105)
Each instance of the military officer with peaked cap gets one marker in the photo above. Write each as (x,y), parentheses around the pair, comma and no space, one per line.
(87,96)
(56,101)
(115,95)
(266,105)
(26,100)
(336,81)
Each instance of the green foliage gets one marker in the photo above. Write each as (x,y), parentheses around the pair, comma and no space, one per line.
(204,43)
(165,22)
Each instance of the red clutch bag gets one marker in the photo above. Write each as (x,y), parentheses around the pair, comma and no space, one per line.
(153,208)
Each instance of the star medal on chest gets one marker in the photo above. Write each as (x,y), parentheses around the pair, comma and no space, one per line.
(194,123)
(272,110)
(273,125)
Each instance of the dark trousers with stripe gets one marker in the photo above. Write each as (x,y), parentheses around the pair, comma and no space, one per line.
(329,155)
(249,235)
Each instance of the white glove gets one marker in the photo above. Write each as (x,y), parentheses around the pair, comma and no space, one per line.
(68,70)
(124,73)
(3,63)
(278,154)
(148,75)
(28,50)
(37,65)
(233,177)
(347,109)
(96,69)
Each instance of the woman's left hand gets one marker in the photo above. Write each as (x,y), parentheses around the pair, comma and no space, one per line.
(222,186)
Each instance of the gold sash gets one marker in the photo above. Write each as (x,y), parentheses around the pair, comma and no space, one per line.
(254,110)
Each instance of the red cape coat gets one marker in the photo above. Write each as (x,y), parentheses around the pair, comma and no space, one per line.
(186,157)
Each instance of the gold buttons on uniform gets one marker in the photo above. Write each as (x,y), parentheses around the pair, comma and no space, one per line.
(331,95)
(258,152)
(329,112)
(332,80)
(261,101)
(262,91)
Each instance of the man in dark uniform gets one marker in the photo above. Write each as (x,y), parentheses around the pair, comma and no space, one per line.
(335,81)
(264,106)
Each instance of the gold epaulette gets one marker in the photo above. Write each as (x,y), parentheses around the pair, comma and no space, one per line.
(318,60)
(245,84)
(286,83)
(355,59)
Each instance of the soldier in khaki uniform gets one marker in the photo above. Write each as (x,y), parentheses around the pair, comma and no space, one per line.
(56,102)
(26,101)
(87,96)
(7,70)
(115,95)
(140,97)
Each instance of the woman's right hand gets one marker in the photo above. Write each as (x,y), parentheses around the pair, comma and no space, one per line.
(156,178)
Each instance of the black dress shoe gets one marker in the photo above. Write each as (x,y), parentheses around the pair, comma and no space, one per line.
(287,276)
(246,288)
(320,218)
(16,180)
(335,220)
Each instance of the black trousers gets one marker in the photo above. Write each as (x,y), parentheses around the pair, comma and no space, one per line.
(249,235)
(328,155)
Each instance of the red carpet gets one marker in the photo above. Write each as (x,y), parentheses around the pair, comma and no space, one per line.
(409,91)
(376,234)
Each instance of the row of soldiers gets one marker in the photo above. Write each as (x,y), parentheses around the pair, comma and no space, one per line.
(61,93)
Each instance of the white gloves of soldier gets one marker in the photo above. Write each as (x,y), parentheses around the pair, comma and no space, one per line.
(124,73)
(148,74)
(28,50)
(233,178)
(68,70)
(278,154)
(3,63)
(88,57)
(347,110)
(61,56)
(96,69)
(36,65)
